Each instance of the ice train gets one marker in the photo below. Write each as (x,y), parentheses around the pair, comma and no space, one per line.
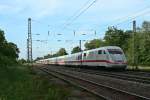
(108,57)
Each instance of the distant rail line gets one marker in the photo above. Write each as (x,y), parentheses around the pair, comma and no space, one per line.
(91,83)
(141,77)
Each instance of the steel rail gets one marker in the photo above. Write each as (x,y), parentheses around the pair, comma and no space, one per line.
(139,97)
(140,79)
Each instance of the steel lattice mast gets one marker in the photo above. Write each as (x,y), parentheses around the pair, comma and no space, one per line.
(29,42)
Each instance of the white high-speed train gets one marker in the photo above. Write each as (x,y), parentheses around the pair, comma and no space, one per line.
(108,56)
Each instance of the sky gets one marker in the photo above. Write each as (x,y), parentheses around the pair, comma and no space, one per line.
(54,21)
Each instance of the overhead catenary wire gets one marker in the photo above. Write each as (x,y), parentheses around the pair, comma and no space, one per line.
(84,9)
(41,22)
(135,16)
(125,19)
(141,12)
(85,4)
(79,14)
(76,15)
(128,17)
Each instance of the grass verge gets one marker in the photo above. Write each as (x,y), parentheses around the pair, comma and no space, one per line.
(140,68)
(20,83)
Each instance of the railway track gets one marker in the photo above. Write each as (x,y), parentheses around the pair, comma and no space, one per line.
(142,73)
(103,91)
(135,77)
(140,77)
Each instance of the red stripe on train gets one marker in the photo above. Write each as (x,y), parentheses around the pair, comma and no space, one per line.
(106,61)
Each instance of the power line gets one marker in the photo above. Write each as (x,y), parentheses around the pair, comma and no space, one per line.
(77,14)
(85,4)
(79,10)
(41,22)
(133,16)
(138,15)
(80,13)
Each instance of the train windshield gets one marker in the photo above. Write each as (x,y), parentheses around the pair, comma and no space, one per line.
(116,54)
(114,51)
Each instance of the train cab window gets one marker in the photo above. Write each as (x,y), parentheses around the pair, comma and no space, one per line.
(99,51)
(84,54)
(114,51)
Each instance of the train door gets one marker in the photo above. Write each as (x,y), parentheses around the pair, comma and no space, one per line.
(91,58)
(88,58)
(84,54)
(80,59)
(101,58)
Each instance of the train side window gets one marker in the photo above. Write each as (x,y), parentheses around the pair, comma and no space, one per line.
(104,52)
(99,51)
(84,54)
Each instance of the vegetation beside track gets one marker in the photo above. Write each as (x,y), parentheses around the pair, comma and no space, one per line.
(9,52)
(139,68)
(18,82)
(21,83)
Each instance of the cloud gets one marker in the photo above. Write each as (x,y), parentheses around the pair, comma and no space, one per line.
(5,9)
(34,8)
(111,11)
(42,8)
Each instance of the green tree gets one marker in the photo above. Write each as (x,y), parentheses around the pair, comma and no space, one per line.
(61,52)
(22,61)
(8,51)
(96,43)
(38,58)
(48,56)
(145,44)
(146,26)
(13,50)
(76,50)
(2,38)
(117,37)
(134,46)
(140,47)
